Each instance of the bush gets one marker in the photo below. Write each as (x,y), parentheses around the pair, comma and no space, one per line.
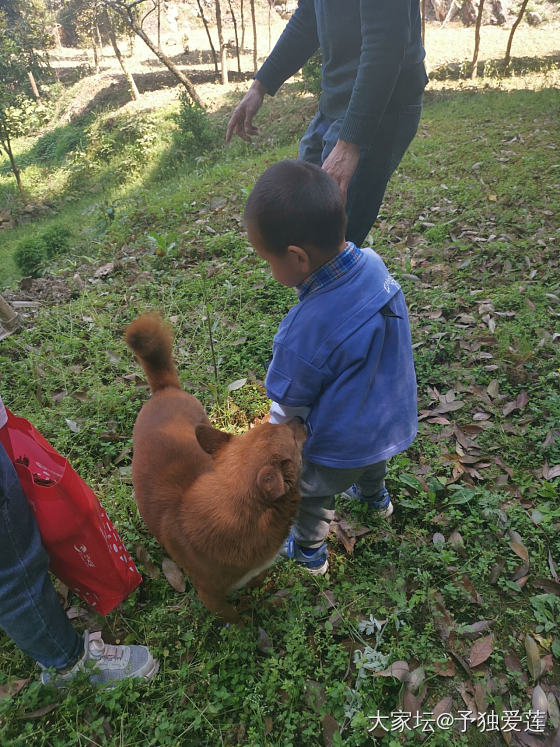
(311,74)
(196,134)
(30,255)
(56,240)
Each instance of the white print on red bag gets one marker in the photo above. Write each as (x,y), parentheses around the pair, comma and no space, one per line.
(114,542)
(85,557)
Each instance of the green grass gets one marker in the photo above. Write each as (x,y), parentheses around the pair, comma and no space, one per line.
(469,228)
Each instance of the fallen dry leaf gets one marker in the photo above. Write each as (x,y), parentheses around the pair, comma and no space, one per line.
(348,542)
(467,693)
(315,696)
(533,657)
(539,701)
(443,706)
(465,583)
(513,664)
(443,620)
(496,572)
(398,669)
(552,566)
(481,650)
(416,679)
(264,644)
(474,630)
(517,545)
(174,574)
(446,668)
(481,696)
(39,712)
(551,587)
(13,687)
(143,557)
(329,727)
(551,473)
(456,541)
(553,710)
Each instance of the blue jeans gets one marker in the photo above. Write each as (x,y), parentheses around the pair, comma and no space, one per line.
(30,612)
(317,486)
(377,161)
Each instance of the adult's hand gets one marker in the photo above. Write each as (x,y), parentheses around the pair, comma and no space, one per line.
(341,163)
(241,121)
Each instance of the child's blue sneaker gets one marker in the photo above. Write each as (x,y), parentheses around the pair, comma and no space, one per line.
(380,502)
(315,559)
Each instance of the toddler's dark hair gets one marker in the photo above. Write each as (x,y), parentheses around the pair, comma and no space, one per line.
(297,203)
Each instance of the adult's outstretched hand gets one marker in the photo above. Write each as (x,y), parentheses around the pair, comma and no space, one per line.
(241,121)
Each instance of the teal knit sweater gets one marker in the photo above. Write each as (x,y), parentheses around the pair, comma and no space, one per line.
(372,58)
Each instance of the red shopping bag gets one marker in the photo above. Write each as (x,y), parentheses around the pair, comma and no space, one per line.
(85,551)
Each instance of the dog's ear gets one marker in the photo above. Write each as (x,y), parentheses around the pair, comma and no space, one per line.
(271,482)
(210,439)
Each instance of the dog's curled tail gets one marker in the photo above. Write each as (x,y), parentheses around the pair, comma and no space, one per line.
(151,339)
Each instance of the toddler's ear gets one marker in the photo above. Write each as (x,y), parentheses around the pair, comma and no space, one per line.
(300,258)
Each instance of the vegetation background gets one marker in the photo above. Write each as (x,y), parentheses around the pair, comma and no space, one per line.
(453,605)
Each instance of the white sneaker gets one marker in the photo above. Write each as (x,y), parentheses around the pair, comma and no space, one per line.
(107,664)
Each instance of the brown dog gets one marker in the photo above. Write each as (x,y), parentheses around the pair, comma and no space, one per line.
(221,505)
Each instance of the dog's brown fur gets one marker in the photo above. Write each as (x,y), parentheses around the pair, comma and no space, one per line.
(221,505)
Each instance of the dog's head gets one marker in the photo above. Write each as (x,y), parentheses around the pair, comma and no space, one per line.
(267,456)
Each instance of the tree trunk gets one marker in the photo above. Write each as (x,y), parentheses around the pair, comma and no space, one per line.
(254,22)
(242,11)
(205,22)
(127,74)
(159,24)
(99,39)
(452,12)
(95,55)
(236,37)
(126,13)
(477,38)
(223,50)
(440,8)
(507,58)
(468,12)
(500,10)
(6,144)
(33,83)
(423,11)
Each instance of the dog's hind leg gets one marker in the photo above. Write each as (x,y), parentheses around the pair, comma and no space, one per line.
(220,607)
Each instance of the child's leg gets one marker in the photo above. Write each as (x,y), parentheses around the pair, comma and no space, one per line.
(372,480)
(318,486)
(370,488)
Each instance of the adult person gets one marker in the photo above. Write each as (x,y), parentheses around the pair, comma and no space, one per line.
(30,612)
(373,78)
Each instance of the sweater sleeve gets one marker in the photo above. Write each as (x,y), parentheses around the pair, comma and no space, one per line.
(295,46)
(386,29)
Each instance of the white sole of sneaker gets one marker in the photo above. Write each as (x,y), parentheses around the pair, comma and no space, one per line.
(385,512)
(317,571)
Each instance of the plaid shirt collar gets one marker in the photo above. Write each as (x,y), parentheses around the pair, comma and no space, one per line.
(331,270)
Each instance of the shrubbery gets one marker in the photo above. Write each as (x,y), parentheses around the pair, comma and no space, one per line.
(56,240)
(196,135)
(30,255)
(32,252)
(311,74)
